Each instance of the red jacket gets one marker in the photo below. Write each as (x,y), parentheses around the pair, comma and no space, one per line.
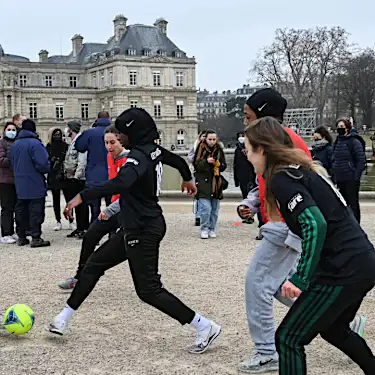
(298,143)
(114,166)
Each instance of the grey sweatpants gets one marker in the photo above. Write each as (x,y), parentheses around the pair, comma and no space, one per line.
(274,261)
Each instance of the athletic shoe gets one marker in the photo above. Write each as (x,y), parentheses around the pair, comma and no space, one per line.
(358,325)
(204,234)
(58,326)
(39,242)
(204,339)
(7,240)
(23,241)
(15,237)
(211,234)
(260,363)
(72,226)
(57,227)
(68,284)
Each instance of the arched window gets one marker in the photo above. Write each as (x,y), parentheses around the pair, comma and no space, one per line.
(180,137)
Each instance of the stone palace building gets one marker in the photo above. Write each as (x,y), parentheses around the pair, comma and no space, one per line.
(139,66)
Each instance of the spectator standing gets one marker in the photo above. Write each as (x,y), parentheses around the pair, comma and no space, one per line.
(74,168)
(349,162)
(322,149)
(8,195)
(18,120)
(92,142)
(29,160)
(209,163)
(57,148)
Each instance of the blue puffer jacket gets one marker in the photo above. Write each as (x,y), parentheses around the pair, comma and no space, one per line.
(29,160)
(92,141)
(349,160)
(322,151)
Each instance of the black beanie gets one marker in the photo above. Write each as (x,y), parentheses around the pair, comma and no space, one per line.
(74,126)
(29,125)
(267,102)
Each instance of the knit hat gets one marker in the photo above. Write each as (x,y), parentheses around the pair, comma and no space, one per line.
(74,126)
(267,102)
(29,125)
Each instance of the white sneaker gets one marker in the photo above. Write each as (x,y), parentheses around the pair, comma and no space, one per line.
(204,234)
(204,339)
(57,227)
(58,326)
(15,237)
(260,363)
(212,234)
(7,240)
(72,226)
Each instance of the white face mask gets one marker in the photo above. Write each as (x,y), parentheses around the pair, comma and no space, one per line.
(241,139)
(66,132)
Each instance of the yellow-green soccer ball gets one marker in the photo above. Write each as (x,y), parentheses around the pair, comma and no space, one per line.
(19,319)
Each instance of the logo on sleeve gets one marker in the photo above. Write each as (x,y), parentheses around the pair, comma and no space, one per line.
(155,154)
(294,202)
(132,161)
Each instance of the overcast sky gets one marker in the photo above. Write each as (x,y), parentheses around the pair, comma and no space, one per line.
(224,36)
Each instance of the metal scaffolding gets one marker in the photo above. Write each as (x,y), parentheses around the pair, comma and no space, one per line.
(301,120)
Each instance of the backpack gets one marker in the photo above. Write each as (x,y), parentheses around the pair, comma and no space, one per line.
(363,143)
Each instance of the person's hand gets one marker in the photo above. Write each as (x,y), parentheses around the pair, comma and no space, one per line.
(76,201)
(102,217)
(190,187)
(289,290)
(211,160)
(244,212)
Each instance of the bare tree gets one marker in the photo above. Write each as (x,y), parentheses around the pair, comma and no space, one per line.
(300,63)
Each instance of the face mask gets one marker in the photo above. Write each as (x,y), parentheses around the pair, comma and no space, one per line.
(66,132)
(241,139)
(317,139)
(11,134)
(57,137)
(341,131)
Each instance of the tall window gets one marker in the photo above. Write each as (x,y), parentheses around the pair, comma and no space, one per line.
(48,81)
(180,137)
(84,111)
(110,78)
(157,108)
(93,79)
(73,81)
(133,103)
(102,79)
(180,108)
(179,79)
(157,80)
(33,110)
(133,78)
(59,112)
(23,80)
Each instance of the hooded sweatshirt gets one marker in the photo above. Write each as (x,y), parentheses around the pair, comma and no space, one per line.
(139,180)
(92,142)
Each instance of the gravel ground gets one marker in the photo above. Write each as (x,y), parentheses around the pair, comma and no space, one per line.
(115,333)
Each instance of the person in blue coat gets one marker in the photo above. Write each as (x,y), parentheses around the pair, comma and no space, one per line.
(322,149)
(92,142)
(29,160)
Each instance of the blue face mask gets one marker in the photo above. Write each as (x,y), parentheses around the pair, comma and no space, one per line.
(11,134)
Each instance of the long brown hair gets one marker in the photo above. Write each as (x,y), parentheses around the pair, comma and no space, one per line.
(268,134)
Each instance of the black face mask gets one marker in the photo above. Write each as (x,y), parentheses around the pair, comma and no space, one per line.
(57,137)
(341,131)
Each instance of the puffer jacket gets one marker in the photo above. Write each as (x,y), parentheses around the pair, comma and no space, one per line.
(322,151)
(349,160)
(75,162)
(6,173)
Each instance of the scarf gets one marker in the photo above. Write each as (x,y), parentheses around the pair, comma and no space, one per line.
(203,153)
(317,145)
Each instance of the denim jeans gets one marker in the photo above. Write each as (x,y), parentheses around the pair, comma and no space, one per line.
(197,209)
(209,210)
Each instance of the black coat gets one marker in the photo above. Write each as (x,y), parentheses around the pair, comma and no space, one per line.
(243,170)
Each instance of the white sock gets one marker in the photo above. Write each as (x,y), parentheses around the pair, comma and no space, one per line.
(200,323)
(67,313)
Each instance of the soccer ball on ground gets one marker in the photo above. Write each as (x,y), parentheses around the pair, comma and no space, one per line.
(19,319)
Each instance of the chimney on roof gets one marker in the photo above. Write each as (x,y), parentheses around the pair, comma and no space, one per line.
(43,56)
(77,44)
(119,26)
(161,23)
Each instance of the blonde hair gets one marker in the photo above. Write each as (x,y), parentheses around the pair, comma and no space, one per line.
(267,133)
